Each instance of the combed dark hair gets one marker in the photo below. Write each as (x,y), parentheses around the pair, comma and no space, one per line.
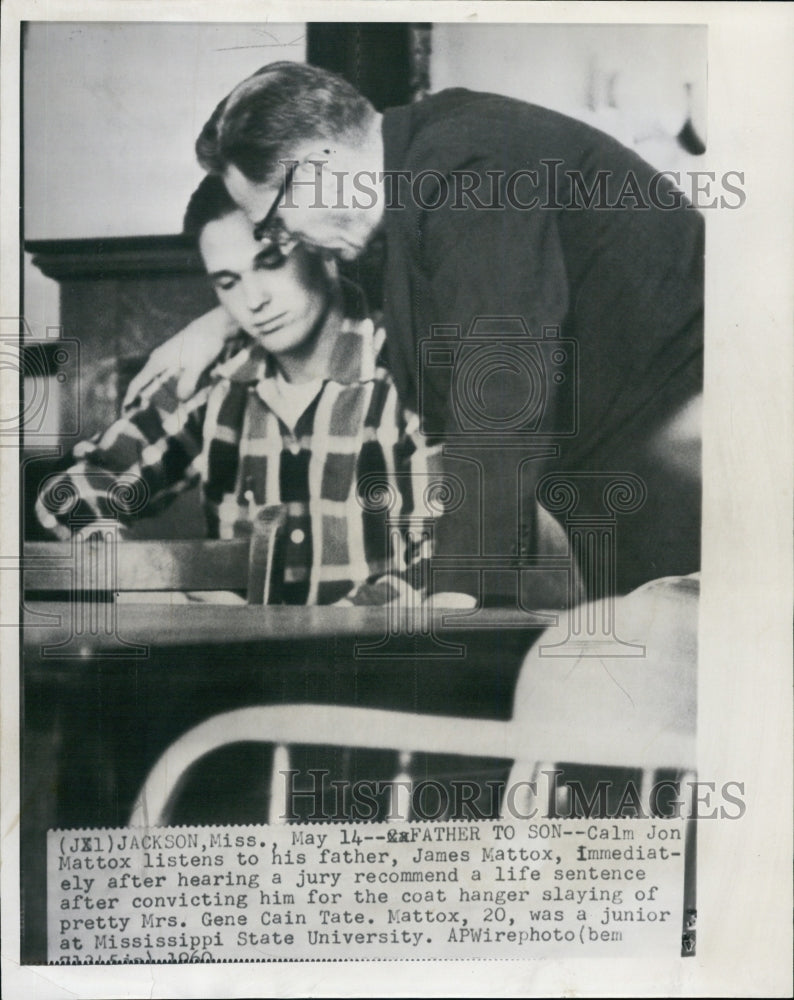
(210,201)
(266,117)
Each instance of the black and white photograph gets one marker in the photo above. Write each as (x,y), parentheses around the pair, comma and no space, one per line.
(388,570)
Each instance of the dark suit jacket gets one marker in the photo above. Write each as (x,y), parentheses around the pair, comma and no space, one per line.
(614,260)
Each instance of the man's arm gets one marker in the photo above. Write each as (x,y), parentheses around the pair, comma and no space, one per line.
(495,264)
(152,449)
(503,266)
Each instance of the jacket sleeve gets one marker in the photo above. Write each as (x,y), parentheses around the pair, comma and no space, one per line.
(486,271)
(133,469)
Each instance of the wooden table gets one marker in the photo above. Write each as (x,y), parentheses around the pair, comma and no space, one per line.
(97,715)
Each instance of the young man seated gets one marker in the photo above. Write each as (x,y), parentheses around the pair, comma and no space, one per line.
(299,410)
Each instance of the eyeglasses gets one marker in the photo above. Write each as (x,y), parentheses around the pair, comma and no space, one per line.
(267,226)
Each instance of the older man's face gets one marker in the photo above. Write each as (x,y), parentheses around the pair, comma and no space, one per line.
(314,209)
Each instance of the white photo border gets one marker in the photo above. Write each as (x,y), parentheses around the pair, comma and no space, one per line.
(744,726)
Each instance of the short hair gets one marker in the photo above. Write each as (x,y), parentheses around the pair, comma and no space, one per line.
(271,113)
(210,201)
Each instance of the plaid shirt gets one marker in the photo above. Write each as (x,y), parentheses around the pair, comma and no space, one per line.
(353,453)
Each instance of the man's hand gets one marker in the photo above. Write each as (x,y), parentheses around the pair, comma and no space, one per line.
(185,355)
(679,442)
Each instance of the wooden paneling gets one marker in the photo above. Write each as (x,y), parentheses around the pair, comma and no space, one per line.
(120,298)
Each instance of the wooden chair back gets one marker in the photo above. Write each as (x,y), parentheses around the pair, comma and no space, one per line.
(595,709)
(97,562)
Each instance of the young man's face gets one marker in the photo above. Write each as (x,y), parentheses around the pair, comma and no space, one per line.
(277,300)
(319,209)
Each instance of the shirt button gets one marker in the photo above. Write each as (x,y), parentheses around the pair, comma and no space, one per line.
(297,536)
